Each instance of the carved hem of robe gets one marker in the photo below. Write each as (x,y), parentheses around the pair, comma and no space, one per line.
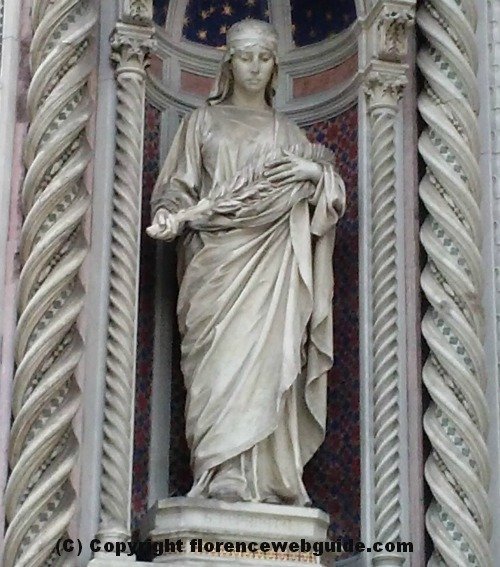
(256,317)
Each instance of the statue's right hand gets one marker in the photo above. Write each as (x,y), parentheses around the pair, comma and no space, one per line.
(165,225)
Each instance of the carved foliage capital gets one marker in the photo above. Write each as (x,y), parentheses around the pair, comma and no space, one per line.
(393,26)
(130,47)
(384,90)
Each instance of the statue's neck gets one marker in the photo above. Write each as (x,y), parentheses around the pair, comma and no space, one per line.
(254,101)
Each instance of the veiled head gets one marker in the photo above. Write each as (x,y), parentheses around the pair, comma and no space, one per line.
(247,35)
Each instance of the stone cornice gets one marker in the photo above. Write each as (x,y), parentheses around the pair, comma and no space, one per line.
(298,62)
(302,111)
(204,60)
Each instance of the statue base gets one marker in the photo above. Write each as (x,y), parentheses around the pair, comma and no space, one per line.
(198,532)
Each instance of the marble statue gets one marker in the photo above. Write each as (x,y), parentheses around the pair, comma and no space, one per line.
(254,206)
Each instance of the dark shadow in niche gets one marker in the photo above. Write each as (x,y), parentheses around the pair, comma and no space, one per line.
(180,478)
(160,8)
(315,20)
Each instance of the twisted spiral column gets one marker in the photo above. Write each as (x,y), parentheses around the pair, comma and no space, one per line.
(384,91)
(2,7)
(40,500)
(130,47)
(457,470)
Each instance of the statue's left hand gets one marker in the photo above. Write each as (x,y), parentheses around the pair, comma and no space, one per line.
(292,169)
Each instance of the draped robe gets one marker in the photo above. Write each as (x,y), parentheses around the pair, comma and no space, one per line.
(254,308)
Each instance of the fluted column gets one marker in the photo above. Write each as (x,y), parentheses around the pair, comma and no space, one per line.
(131,43)
(384,89)
(456,422)
(40,500)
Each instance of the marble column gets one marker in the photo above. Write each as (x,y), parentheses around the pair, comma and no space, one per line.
(456,421)
(385,34)
(131,43)
(44,449)
(384,90)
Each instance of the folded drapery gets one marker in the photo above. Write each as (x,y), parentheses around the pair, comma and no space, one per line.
(255,300)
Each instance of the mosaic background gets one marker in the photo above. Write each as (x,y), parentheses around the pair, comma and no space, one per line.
(332,477)
(206,21)
(145,337)
(314,20)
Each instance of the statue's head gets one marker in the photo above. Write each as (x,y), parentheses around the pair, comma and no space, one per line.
(244,38)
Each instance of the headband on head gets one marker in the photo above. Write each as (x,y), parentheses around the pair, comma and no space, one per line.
(249,33)
(240,36)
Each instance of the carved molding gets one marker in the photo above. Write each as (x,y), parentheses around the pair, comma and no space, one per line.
(138,11)
(392,32)
(387,28)
(456,422)
(319,107)
(383,86)
(131,45)
(294,62)
(40,500)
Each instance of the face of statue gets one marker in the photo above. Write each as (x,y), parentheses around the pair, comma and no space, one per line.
(252,69)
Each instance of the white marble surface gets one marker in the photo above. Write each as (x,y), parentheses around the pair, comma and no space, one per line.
(181,515)
(211,520)
(223,562)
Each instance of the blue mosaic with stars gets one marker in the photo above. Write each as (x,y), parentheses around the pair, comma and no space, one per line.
(315,20)
(206,21)
(160,8)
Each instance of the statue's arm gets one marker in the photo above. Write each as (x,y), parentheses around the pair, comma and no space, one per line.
(179,181)
(329,200)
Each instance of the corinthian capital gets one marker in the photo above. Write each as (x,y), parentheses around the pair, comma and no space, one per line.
(131,46)
(384,88)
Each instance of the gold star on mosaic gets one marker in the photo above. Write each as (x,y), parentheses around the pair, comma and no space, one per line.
(329,16)
(202,34)
(205,14)
(223,30)
(186,21)
(227,10)
(250,3)
(266,13)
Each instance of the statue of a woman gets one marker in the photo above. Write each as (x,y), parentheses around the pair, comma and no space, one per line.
(255,206)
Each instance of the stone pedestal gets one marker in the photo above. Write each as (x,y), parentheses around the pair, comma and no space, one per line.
(199,532)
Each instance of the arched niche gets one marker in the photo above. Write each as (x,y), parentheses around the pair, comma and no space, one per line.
(318,87)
